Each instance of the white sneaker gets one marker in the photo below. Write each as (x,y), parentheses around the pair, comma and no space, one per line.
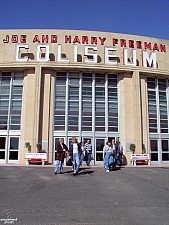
(107,170)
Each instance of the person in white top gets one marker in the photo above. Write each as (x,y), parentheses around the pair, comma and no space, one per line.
(107,154)
(75,152)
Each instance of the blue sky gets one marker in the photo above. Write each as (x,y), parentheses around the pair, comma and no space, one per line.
(146,17)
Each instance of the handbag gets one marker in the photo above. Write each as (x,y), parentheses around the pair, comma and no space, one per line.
(69,162)
(66,155)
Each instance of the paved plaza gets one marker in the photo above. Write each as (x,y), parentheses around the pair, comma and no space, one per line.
(33,195)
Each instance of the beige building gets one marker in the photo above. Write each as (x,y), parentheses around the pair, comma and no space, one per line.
(92,85)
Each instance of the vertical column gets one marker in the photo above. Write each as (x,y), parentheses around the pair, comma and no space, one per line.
(51,119)
(137,112)
(46,116)
(126,121)
(144,112)
(30,111)
(36,106)
(130,113)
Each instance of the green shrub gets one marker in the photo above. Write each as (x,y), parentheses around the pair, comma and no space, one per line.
(39,146)
(28,146)
(143,149)
(132,148)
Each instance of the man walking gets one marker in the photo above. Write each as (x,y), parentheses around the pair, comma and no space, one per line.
(88,151)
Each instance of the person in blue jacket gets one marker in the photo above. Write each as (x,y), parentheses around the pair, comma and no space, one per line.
(75,152)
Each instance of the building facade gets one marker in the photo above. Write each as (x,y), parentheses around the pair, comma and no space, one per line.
(92,85)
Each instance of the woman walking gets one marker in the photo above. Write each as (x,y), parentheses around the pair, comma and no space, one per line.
(107,151)
(61,149)
(75,152)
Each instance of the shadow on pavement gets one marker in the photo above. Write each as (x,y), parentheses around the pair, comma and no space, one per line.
(86,172)
(116,168)
(82,171)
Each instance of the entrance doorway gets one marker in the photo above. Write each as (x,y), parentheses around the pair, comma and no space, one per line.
(13,150)
(99,144)
(3,149)
(84,140)
(9,149)
(159,150)
(110,139)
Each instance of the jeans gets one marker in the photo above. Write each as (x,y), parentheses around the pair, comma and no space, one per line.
(88,158)
(111,160)
(81,159)
(107,159)
(119,160)
(115,161)
(75,162)
(57,165)
(104,163)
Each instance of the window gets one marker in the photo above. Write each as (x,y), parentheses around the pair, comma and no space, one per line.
(16,101)
(99,102)
(163,106)
(157,102)
(152,104)
(112,103)
(80,99)
(87,102)
(60,101)
(11,104)
(154,150)
(73,102)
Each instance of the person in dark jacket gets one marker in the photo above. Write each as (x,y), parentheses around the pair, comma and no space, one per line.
(82,154)
(61,149)
(114,148)
(120,154)
(75,152)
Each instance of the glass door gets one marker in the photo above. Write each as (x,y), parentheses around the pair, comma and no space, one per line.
(100,143)
(13,150)
(159,151)
(165,151)
(2,149)
(154,153)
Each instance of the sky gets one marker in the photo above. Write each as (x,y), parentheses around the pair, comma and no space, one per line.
(144,18)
